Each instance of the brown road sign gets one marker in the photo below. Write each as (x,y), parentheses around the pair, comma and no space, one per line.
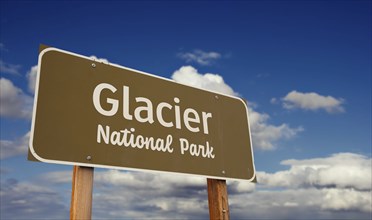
(91,113)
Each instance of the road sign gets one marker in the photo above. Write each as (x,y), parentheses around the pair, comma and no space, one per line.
(91,113)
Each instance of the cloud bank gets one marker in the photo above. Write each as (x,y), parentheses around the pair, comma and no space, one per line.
(27,200)
(310,188)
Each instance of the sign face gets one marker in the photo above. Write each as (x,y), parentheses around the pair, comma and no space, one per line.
(91,113)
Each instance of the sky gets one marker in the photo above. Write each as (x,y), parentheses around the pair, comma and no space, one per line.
(303,66)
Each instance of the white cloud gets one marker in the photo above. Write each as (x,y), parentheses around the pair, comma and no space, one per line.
(263,134)
(346,199)
(14,148)
(31,76)
(200,57)
(9,68)
(14,103)
(342,170)
(188,75)
(312,101)
(274,101)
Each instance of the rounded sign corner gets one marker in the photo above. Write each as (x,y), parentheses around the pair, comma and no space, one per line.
(253,179)
(244,101)
(46,50)
(33,152)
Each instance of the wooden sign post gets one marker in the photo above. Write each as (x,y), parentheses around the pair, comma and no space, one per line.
(217,199)
(82,191)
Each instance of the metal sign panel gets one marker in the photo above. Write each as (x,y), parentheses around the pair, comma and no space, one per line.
(91,113)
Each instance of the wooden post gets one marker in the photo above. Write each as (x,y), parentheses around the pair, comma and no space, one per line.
(82,190)
(217,199)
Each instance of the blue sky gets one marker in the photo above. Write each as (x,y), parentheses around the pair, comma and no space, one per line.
(303,66)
